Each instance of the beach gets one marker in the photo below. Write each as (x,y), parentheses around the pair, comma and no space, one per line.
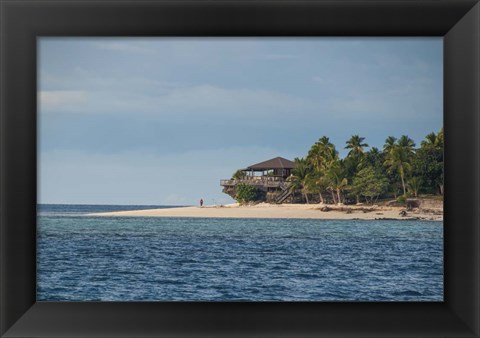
(293,211)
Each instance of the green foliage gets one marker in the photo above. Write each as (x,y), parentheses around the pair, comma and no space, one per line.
(337,180)
(375,158)
(370,173)
(238,175)
(356,158)
(389,144)
(321,153)
(356,145)
(397,168)
(414,185)
(428,163)
(398,156)
(402,199)
(369,184)
(245,193)
(302,178)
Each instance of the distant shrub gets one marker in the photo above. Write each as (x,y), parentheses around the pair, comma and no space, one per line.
(238,175)
(402,199)
(245,193)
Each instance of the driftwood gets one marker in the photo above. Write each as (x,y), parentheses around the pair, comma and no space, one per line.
(347,210)
(431,211)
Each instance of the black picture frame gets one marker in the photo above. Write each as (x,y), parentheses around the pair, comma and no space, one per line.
(22,21)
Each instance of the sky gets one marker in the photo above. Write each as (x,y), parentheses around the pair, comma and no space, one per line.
(159,121)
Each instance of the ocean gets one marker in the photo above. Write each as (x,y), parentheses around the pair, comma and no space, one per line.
(84,258)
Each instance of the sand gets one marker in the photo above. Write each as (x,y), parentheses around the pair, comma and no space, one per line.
(265,210)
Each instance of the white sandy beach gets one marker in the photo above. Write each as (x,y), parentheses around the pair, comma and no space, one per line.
(265,210)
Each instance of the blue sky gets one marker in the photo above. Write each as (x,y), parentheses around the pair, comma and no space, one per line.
(162,120)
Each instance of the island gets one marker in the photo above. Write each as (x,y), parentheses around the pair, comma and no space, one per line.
(398,182)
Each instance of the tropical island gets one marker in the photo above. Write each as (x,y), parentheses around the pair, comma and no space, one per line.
(399,172)
(399,181)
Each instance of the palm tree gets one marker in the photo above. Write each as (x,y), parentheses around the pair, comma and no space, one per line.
(389,144)
(356,145)
(301,178)
(431,154)
(355,158)
(374,152)
(398,159)
(406,143)
(440,140)
(431,140)
(320,156)
(414,185)
(322,153)
(321,183)
(327,149)
(375,158)
(314,157)
(440,137)
(309,186)
(398,156)
(337,180)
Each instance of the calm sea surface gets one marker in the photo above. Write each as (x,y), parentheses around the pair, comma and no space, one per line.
(83,258)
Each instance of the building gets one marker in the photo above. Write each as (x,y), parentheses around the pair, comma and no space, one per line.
(269,177)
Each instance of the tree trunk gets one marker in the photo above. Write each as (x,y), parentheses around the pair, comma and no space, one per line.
(441,188)
(339,197)
(403,185)
(321,197)
(306,197)
(334,198)
(358,199)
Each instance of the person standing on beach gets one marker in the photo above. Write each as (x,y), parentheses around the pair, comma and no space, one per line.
(201,202)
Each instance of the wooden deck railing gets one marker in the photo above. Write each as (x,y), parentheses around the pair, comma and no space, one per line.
(270,182)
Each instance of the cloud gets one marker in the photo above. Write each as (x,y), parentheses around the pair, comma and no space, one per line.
(318,79)
(399,99)
(278,57)
(164,101)
(216,100)
(143,178)
(96,82)
(121,47)
(54,99)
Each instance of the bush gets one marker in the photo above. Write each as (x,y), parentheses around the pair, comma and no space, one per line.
(238,175)
(245,193)
(402,200)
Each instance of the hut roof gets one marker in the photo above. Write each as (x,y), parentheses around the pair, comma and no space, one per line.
(274,163)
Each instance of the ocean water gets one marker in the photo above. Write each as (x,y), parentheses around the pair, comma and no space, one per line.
(83,209)
(83,258)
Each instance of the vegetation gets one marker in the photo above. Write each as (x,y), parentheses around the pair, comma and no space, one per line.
(402,200)
(302,178)
(245,193)
(238,175)
(400,170)
(369,184)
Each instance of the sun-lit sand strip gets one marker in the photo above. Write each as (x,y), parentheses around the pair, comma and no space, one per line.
(265,210)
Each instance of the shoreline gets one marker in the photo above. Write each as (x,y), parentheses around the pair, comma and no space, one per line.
(286,211)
